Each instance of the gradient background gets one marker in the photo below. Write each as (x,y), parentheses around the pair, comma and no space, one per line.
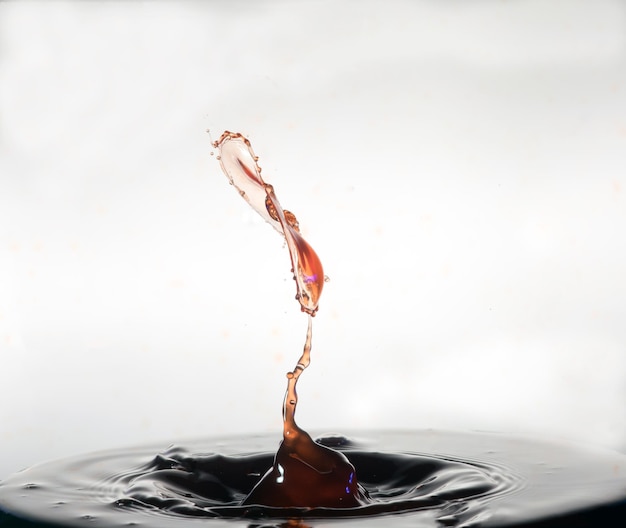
(459,166)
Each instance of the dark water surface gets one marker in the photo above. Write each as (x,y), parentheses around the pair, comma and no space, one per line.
(412,479)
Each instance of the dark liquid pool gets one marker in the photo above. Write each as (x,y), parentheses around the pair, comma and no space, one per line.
(412,479)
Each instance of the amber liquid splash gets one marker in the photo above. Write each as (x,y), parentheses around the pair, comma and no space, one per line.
(427,478)
(239,163)
(304,473)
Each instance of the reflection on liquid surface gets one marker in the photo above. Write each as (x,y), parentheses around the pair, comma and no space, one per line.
(417,479)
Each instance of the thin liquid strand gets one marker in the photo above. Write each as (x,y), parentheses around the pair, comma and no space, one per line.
(290,428)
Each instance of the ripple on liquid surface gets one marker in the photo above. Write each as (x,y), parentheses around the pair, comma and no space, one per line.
(412,479)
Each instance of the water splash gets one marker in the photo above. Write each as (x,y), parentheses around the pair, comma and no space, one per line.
(240,165)
(304,473)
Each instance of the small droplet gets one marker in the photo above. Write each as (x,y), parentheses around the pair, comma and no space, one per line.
(326,278)
(271,210)
(291,219)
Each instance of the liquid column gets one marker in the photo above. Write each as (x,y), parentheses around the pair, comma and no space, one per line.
(304,473)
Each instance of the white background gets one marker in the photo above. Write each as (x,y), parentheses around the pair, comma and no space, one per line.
(459,167)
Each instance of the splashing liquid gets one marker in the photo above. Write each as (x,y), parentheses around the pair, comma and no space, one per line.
(427,479)
(239,163)
(304,473)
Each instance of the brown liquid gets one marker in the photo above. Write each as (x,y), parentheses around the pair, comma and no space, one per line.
(304,473)
(239,163)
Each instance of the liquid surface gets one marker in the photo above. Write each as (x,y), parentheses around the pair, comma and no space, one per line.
(425,479)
